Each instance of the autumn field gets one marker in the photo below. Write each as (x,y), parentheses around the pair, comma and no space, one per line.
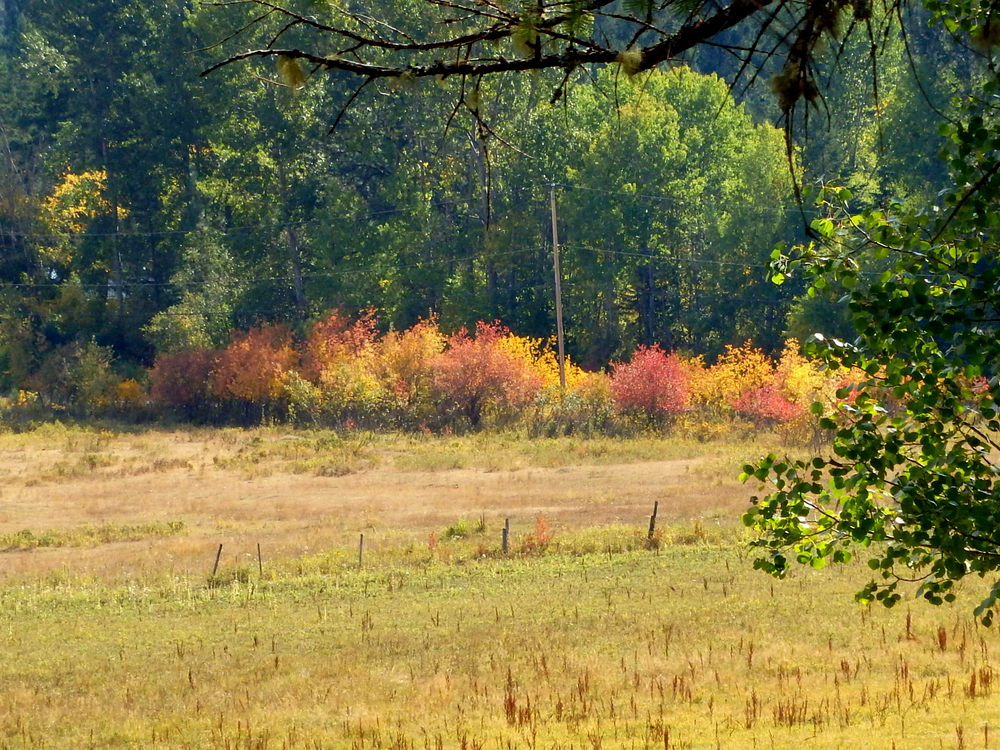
(115,633)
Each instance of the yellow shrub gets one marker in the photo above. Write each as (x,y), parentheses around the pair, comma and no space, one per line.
(542,358)
(801,380)
(128,393)
(737,370)
(404,359)
(26,398)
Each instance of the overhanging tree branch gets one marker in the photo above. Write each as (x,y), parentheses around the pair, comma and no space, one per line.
(575,50)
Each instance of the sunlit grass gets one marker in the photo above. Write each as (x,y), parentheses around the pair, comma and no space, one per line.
(88,536)
(587,634)
(680,647)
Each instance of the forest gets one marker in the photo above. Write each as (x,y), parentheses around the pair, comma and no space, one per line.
(149,213)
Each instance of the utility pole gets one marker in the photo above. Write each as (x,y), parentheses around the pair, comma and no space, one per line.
(558,276)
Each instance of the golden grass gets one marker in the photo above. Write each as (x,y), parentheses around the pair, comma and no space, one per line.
(587,640)
(686,648)
(293,492)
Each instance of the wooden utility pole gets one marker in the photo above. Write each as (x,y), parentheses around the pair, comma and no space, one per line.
(558,276)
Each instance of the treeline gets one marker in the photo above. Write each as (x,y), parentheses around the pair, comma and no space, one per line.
(145,211)
(343,373)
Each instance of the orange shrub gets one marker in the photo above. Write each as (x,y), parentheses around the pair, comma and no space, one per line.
(340,359)
(253,366)
(335,340)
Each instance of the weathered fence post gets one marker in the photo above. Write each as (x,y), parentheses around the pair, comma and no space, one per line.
(215,568)
(505,536)
(361,551)
(652,520)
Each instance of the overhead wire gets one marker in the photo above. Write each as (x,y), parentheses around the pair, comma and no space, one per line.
(343,273)
(665,259)
(229,230)
(244,282)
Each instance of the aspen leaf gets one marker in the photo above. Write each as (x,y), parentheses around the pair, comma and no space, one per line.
(291,72)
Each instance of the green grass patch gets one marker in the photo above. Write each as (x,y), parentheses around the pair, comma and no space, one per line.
(88,536)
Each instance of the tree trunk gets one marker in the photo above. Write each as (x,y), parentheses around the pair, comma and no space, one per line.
(647,303)
(292,236)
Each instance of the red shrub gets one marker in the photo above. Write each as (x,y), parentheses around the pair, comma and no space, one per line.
(539,540)
(183,379)
(653,384)
(475,375)
(766,404)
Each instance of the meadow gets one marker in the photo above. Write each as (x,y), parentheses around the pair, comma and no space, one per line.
(116,633)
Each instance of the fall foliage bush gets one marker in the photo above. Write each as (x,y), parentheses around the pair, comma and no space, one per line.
(737,371)
(343,372)
(334,341)
(250,372)
(340,357)
(766,405)
(404,366)
(652,385)
(128,401)
(479,377)
(182,380)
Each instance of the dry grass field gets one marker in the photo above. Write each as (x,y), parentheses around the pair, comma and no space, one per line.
(113,634)
(296,492)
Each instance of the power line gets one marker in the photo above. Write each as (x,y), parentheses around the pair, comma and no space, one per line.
(662,198)
(232,230)
(663,258)
(340,274)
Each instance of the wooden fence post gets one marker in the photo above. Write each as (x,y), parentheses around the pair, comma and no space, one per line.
(652,520)
(215,568)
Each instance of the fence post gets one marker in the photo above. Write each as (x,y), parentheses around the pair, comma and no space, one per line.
(505,536)
(215,568)
(652,520)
